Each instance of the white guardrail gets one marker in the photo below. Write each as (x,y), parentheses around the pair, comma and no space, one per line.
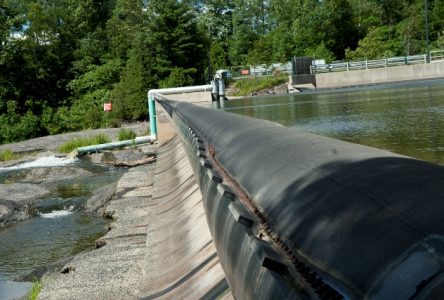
(268,69)
(377,63)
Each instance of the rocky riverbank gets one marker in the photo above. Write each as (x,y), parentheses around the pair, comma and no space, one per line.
(23,183)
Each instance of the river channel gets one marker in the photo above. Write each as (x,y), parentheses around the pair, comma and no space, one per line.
(405,118)
(59,228)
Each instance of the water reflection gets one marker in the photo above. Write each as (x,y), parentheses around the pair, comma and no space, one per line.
(404,118)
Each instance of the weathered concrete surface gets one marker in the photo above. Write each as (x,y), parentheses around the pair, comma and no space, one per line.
(181,261)
(113,271)
(159,247)
(380,75)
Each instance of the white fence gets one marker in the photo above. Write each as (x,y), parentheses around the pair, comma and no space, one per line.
(316,68)
(377,63)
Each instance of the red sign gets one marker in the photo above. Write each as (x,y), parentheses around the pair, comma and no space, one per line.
(245,72)
(107,106)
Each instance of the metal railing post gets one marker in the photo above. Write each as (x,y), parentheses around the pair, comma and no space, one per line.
(214,91)
(221,85)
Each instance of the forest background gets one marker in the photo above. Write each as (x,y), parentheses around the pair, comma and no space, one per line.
(61,60)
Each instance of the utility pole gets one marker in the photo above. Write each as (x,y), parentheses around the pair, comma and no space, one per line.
(209,54)
(426,19)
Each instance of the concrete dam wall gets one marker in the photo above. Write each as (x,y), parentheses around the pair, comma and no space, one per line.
(380,75)
(299,216)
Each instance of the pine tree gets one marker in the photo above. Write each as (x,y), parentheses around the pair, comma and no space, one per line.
(175,39)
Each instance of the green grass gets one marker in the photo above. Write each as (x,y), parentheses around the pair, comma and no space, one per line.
(126,134)
(246,86)
(6,155)
(81,142)
(37,286)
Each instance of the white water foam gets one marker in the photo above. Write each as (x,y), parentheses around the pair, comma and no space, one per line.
(58,213)
(47,161)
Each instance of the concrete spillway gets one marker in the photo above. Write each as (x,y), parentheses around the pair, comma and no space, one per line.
(159,246)
(181,261)
(295,215)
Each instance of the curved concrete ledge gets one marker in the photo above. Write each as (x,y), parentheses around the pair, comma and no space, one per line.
(181,261)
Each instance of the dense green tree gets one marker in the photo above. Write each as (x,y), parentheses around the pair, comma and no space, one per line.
(91,90)
(251,20)
(175,39)
(126,21)
(379,42)
(217,18)
(177,77)
(60,60)
(391,11)
(436,13)
(365,14)
(218,56)
(129,96)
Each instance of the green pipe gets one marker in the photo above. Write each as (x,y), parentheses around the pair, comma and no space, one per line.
(107,146)
(153,116)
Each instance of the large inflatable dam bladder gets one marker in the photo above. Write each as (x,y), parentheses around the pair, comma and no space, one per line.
(296,215)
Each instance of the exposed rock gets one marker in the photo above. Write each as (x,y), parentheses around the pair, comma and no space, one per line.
(123,155)
(128,157)
(95,158)
(108,157)
(42,271)
(281,89)
(52,174)
(135,163)
(22,192)
(73,154)
(101,197)
(12,212)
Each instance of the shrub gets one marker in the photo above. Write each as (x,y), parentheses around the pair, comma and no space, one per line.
(81,142)
(246,86)
(15,127)
(126,134)
(37,286)
(6,155)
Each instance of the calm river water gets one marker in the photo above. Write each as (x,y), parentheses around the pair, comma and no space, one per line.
(406,118)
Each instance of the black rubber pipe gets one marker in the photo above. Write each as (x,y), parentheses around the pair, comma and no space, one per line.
(327,219)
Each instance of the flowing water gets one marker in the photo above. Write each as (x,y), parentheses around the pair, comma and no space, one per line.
(405,118)
(59,227)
